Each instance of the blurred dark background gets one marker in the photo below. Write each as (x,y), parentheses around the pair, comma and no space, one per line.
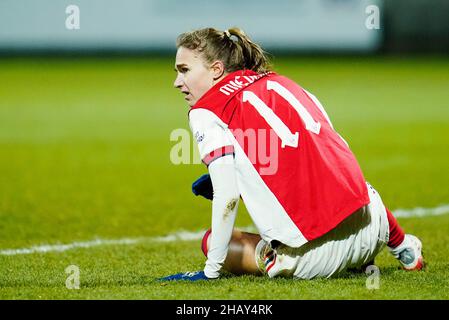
(30,27)
(416,26)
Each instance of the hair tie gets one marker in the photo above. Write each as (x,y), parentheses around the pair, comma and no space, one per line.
(226,32)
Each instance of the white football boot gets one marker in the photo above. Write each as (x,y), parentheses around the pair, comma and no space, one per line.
(409,253)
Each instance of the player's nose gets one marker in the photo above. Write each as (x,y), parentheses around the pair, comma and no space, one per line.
(178,82)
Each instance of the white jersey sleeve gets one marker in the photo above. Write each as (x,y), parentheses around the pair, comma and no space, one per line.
(224,210)
(217,152)
(210,134)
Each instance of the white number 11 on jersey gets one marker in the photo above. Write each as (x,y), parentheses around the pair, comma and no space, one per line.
(287,137)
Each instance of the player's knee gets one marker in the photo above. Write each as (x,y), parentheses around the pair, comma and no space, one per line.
(204,241)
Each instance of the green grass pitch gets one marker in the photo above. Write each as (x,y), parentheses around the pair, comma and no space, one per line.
(84,154)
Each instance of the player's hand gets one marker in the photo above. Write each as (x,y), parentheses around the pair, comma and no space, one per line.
(190,276)
(203,187)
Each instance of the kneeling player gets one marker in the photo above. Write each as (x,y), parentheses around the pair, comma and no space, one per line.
(270,142)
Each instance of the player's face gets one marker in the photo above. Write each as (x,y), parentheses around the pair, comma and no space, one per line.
(194,78)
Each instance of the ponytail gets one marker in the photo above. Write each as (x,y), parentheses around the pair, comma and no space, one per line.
(239,54)
(253,56)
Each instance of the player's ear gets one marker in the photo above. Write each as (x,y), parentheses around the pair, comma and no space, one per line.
(218,69)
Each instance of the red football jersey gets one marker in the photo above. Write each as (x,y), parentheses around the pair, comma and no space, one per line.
(297,176)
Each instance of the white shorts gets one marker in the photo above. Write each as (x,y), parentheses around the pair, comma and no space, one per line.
(353,243)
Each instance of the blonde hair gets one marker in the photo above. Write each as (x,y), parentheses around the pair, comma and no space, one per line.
(214,44)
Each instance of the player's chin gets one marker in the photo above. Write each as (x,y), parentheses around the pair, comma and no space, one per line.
(191,102)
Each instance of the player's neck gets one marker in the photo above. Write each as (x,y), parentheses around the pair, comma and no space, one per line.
(219,79)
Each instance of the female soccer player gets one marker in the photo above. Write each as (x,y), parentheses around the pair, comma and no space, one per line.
(268,141)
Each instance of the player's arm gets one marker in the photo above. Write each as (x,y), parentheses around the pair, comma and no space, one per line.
(241,256)
(217,153)
(224,210)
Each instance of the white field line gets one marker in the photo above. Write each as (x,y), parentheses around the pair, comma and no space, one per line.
(187,235)
(421,212)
